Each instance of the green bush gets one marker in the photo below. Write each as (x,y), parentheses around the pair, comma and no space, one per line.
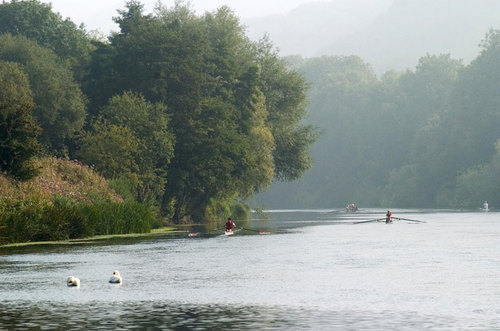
(66,219)
(119,218)
(122,186)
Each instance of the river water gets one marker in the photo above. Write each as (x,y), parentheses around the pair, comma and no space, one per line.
(310,269)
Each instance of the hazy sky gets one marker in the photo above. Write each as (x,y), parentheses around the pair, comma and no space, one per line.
(97,14)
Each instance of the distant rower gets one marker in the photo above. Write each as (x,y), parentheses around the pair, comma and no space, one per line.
(230,225)
(388,217)
(351,208)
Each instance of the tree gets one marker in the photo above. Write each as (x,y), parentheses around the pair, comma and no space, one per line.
(285,93)
(380,137)
(111,149)
(36,21)
(472,122)
(18,131)
(131,139)
(211,77)
(340,90)
(423,99)
(60,104)
(480,182)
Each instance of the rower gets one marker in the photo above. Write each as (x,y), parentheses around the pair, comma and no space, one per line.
(388,217)
(230,224)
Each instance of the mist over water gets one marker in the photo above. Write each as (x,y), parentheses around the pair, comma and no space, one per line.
(316,270)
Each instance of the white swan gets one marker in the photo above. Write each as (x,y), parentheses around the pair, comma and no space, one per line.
(73,281)
(116,278)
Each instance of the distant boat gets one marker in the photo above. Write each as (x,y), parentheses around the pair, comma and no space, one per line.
(486,207)
(351,208)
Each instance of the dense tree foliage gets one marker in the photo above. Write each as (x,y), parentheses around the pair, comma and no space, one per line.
(286,103)
(36,21)
(131,139)
(184,113)
(233,130)
(422,138)
(480,180)
(184,110)
(60,104)
(18,131)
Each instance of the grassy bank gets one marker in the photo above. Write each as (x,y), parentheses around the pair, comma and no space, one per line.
(66,201)
(100,238)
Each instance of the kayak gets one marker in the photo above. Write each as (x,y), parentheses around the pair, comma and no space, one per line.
(229,233)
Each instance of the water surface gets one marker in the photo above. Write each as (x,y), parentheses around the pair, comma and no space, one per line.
(316,270)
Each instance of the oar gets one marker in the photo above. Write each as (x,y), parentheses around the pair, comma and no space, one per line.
(376,220)
(258,231)
(407,219)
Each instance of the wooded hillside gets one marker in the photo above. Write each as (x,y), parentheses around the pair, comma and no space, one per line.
(429,137)
(183,113)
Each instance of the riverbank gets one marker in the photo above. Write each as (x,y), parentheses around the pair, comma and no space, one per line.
(67,201)
(101,238)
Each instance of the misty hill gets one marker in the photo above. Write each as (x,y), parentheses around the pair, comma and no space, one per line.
(395,39)
(311,27)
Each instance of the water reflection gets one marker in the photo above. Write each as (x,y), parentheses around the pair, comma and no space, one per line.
(172,316)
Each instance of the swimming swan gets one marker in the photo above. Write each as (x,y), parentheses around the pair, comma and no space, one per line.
(73,281)
(116,278)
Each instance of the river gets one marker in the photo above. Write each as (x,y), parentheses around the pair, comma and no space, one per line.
(310,269)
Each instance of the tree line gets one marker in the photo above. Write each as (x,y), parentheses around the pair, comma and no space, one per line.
(427,137)
(180,112)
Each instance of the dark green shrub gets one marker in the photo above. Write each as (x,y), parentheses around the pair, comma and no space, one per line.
(119,218)
(66,219)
